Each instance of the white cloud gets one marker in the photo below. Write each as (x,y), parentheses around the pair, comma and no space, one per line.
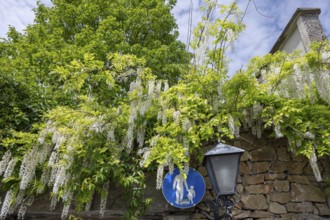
(262,31)
(15,13)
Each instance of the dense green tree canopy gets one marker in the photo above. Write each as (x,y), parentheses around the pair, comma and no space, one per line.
(98,92)
(70,29)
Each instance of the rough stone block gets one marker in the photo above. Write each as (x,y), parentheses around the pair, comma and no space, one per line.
(280,197)
(301,216)
(176,217)
(322,209)
(208,183)
(237,144)
(254,202)
(202,170)
(298,179)
(260,167)
(239,179)
(264,154)
(261,214)
(325,164)
(197,216)
(312,180)
(308,170)
(300,207)
(296,167)
(271,218)
(281,185)
(245,168)
(302,193)
(282,154)
(277,208)
(275,176)
(208,195)
(287,216)
(246,156)
(299,158)
(254,179)
(241,214)
(240,188)
(259,189)
(202,206)
(279,167)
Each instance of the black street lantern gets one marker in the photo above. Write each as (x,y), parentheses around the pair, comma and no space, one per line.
(222,165)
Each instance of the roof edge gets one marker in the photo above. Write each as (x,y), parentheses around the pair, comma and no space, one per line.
(291,24)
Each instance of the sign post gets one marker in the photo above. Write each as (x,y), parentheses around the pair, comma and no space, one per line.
(183,193)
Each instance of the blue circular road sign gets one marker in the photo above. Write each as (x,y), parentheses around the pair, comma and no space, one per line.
(183,193)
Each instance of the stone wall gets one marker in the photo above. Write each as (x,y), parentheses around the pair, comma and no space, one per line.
(273,184)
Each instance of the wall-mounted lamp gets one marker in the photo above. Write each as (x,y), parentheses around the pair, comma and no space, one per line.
(222,165)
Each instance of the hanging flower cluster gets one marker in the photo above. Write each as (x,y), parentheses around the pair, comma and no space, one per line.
(297,101)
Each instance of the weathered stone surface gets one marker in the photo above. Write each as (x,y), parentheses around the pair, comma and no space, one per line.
(239,179)
(197,216)
(301,193)
(202,170)
(301,216)
(254,179)
(254,202)
(203,207)
(259,189)
(248,146)
(208,182)
(287,216)
(296,167)
(280,197)
(278,142)
(237,144)
(275,176)
(241,214)
(300,207)
(281,185)
(246,156)
(261,214)
(208,196)
(298,179)
(177,217)
(274,217)
(325,164)
(299,158)
(264,154)
(308,170)
(239,188)
(260,167)
(277,208)
(279,167)
(282,154)
(312,180)
(245,168)
(321,209)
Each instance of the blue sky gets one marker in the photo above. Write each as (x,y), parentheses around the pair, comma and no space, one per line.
(258,38)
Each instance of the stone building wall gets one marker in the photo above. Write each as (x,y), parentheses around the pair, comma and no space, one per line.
(273,184)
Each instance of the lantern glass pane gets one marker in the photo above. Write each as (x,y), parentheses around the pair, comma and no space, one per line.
(225,170)
(210,171)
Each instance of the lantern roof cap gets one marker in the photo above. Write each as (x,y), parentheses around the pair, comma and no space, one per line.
(222,148)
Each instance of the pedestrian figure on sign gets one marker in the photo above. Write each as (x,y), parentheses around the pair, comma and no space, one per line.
(178,184)
(191,194)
